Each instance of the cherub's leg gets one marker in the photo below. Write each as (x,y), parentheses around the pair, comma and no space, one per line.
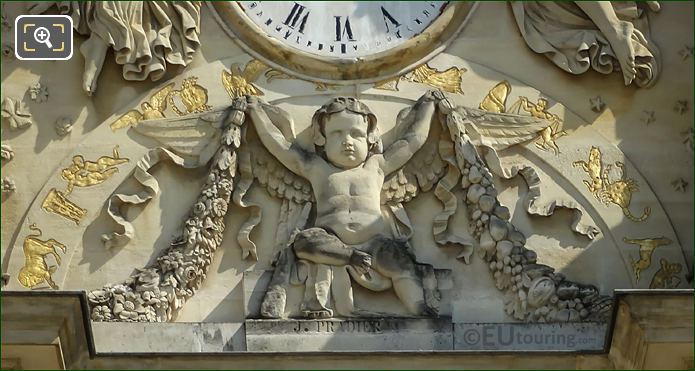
(94,52)
(318,246)
(392,260)
(618,33)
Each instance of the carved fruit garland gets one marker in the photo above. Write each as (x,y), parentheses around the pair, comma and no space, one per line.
(534,292)
(158,292)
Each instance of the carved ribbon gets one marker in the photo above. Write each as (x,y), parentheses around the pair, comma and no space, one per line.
(142,175)
(248,247)
(533,182)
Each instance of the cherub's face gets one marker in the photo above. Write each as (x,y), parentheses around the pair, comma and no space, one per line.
(346,139)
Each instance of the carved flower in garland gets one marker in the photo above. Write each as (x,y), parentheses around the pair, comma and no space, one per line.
(147,279)
(128,306)
(209,228)
(198,209)
(219,208)
(8,50)
(38,93)
(101,313)
(210,191)
(194,227)
(224,188)
(186,272)
(170,261)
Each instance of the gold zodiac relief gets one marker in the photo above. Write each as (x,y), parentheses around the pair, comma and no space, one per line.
(152,109)
(496,101)
(646,249)
(35,269)
(81,173)
(193,96)
(239,83)
(666,276)
(448,80)
(390,84)
(57,203)
(606,191)
(89,173)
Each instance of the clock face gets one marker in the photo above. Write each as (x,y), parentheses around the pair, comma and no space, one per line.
(342,29)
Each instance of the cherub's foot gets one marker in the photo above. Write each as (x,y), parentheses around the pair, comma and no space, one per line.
(273,305)
(432,300)
(317,314)
(621,43)
(94,52)
(89,77)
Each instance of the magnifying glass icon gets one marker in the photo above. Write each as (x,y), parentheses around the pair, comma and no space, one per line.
(42,36)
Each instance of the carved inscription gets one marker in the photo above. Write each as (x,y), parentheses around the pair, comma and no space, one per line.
(349,326)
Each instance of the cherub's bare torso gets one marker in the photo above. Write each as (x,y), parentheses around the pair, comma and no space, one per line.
(348,201)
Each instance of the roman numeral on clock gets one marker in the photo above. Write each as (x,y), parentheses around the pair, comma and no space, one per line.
(297,17)
(388,18)
(343,29)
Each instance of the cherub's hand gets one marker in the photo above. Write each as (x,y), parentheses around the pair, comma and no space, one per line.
(361,261)
(431,96)
(253,102)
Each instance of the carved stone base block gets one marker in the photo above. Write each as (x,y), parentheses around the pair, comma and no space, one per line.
(367,335)
(587,336)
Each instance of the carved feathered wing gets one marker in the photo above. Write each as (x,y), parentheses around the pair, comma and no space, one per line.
(192,136)
(435,166)
(500,130)
(257,163)
(422,172)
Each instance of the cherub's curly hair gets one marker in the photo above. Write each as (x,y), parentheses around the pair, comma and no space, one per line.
(340,104)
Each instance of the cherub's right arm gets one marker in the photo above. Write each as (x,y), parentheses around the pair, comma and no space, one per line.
(289,154)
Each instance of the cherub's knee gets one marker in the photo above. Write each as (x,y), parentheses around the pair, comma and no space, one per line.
(394,259)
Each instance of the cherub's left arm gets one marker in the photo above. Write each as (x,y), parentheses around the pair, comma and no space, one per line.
(417,127)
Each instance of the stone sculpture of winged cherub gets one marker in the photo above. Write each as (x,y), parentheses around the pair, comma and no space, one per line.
(342,218)
(346,173)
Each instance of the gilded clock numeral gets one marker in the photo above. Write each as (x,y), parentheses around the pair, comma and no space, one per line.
(388,18)
(343,29)
(297,17)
